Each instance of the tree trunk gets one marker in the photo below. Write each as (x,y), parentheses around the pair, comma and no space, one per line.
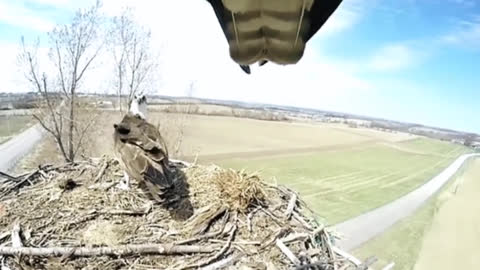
(71,155)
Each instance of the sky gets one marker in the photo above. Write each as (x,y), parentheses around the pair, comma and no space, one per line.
(410,60)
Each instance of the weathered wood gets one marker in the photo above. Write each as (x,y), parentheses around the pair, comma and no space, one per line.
(347,256)
(287,252)
(126,250)
(291,205)
(367,263)
(389,266)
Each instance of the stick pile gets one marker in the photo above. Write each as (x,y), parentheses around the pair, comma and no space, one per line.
(74,216)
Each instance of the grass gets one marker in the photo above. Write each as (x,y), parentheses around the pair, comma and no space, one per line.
(456,221)
(345,183)
(12,125)
(402,242)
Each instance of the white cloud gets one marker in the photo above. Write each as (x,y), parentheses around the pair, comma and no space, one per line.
(346,16)
(392,58)
(56,3)
(465,34)
(15,14)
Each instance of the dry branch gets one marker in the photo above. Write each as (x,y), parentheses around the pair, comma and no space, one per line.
(367,263)
(287,252)
(291,206)
(347,256)
(102,171)
(16,239)
(389,266)
(126,250)
(222,263)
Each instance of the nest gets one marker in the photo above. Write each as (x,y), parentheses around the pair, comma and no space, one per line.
(74,216)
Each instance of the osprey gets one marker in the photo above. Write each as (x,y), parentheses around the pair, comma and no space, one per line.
(270,30)
(142,152)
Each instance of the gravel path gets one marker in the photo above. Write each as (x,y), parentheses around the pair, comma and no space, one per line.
(17,147)
(362,228)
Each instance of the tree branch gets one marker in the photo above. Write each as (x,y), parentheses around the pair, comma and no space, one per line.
(126,250)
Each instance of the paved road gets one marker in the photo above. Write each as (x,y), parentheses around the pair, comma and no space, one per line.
(17,147)
(362,228)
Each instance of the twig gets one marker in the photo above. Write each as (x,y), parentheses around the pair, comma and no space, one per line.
(367,263)
(330,250)
(8,176)
(16,239)
(218,254)
(347,256)
(389,266)
(287,252)
(102,171)
(294,237)
(301,220)
(200,237)
(222,263)
(250,216)
(318,230)
(237,242)
(125,212)
(125,250)
(18,184)
(291,206)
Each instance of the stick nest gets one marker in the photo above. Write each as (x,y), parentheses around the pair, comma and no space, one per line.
(234,219)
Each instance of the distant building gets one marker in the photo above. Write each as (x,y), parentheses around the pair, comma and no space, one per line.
(458,141)
(476,145)
(6,106)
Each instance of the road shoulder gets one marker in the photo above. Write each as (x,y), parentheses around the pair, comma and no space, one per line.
(452,241)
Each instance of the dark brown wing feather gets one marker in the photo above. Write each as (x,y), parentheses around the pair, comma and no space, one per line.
(251,39)
(143,155)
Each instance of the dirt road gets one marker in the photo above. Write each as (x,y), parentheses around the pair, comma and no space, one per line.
(360,229)
(453,239)
(17,147)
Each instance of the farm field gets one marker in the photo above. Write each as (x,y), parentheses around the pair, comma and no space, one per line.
(340,184)
(216,138)
(341,172)
(11,125)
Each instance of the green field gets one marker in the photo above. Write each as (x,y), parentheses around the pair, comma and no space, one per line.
(341,184)
(11,125)
(402,242)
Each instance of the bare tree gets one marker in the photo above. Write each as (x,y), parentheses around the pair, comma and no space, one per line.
(133,57)
(73,48)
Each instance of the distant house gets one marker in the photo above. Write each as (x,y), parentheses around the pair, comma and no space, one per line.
(458,141)
(476,145)
(6,106)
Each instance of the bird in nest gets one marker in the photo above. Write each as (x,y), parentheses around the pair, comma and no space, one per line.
(142,152)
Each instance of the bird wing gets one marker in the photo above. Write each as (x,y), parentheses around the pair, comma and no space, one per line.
(270,30)
(143,159)
(319,14)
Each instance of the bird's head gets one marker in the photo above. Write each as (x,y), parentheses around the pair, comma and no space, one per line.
(139,106)
(122,129)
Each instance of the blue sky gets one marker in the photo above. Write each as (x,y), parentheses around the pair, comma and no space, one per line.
(408,60)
